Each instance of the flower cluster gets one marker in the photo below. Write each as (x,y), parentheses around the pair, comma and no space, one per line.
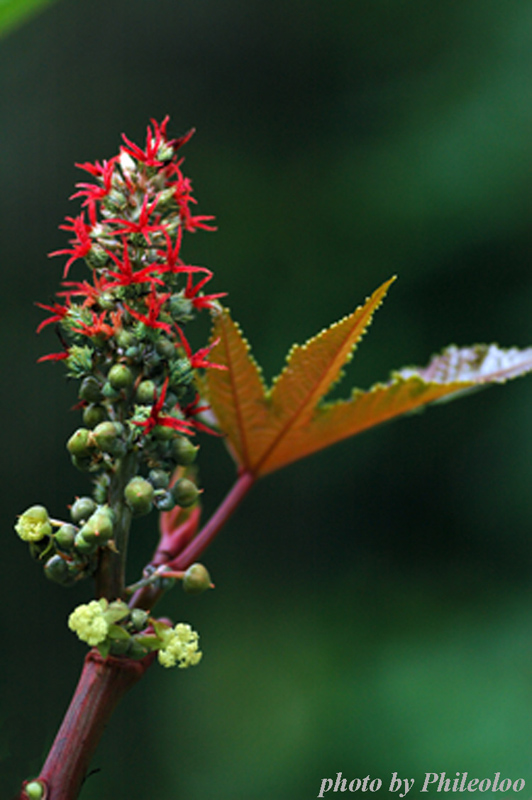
(121,328)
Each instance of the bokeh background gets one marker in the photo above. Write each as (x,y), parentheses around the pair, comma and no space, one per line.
(373,609)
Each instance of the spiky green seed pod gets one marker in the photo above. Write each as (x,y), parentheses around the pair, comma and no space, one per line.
(56,569)
(196,579)
(185,492)
(64,537)
(90,389)
(120,376)
(80,443)
(82,509)
(163,433)
(146,392)
(139,495)
(183,451)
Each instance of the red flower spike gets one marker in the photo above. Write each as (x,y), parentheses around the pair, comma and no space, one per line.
(198,359)
(99,327)
(200,301)
(171,255)
(142,225)
(156,418)
(53,357)
(154,302)
(126,276)
(93,192)
(192,410)
(92,293)
(59,312)
(81,244)
(153,142)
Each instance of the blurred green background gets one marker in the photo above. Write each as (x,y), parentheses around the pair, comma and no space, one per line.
(373,609)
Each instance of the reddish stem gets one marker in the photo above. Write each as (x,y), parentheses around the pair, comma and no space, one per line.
(200,542)
(102,683)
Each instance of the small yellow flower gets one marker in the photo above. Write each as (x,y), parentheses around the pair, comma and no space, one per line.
(34,524)
(89,623)
(180,647)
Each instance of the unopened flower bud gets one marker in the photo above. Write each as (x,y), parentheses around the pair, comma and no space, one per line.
(34,524)
(136,650)
(125,339)
(185,492)
(165,348)
(82,509)
(120,376)
(139,495)
(139,619)
(183,451)
(196,579)
(80,443)
(34,790)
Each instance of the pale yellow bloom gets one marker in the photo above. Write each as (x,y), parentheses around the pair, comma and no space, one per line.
(34,524)
(89,623)
(180,647)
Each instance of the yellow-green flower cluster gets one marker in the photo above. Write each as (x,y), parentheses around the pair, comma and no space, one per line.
(180,646)
(34,524)
(89,623)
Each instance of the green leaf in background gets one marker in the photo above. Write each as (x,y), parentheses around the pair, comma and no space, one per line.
(15,12)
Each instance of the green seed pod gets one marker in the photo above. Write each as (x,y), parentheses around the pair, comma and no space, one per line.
(125,339)
(83,546)
(163,433)
(139,619)
(164,501)
(181,308)
(109,392)
(119,647)
(80,443)
(136,650)
(133,352)
(82,509)
(83,464)
(64,538)
(56,569)
(183,451)
(120,376)
(196,579)
(106,437)
(90,389)
(184,492)
(145,392)
(93,415)
(139,495)
(159,479)
(99,528)
(165,347)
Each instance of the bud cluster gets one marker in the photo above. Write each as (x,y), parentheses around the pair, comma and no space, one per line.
(122,334)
